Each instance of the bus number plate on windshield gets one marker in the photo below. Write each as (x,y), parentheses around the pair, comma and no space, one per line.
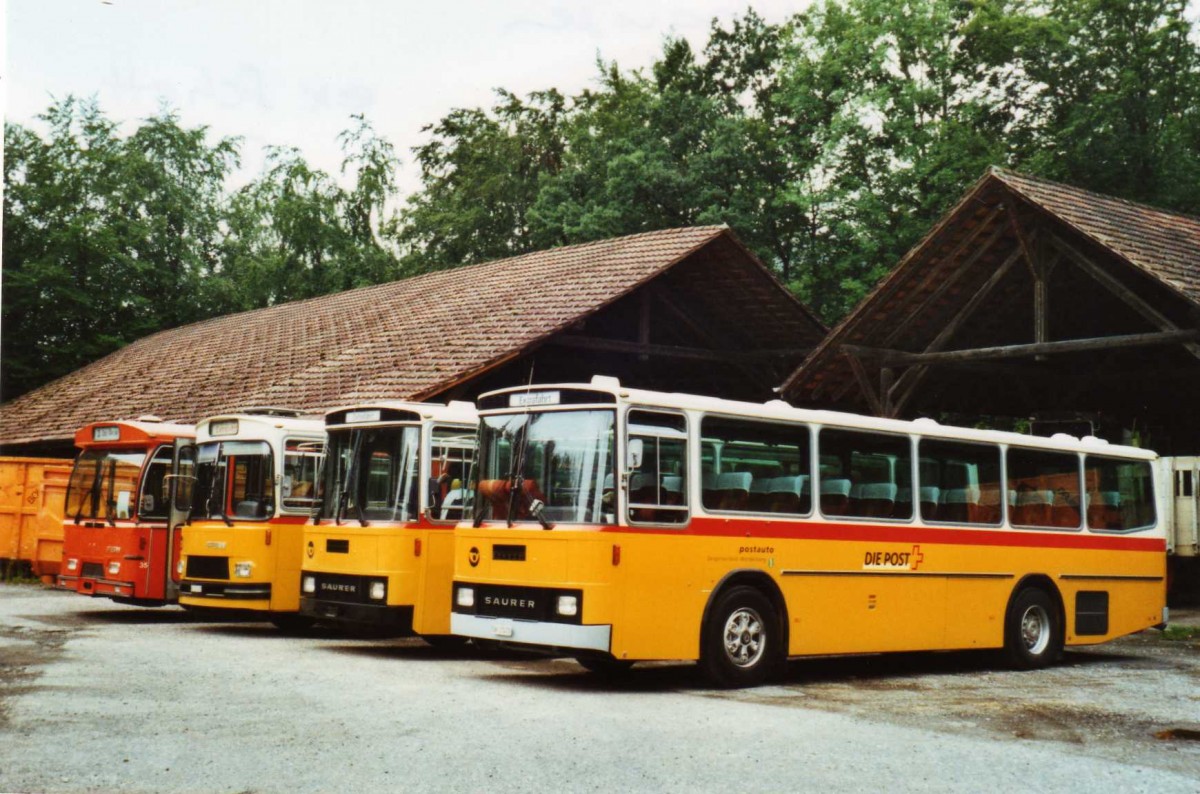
(502,628)
(527,399)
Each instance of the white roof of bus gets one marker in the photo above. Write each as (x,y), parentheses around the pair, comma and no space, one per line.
(263,426)
(778,409)
(454,411)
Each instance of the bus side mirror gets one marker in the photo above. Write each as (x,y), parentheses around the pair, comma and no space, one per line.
(635,453)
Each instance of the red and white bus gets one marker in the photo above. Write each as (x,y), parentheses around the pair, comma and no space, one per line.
(116,541)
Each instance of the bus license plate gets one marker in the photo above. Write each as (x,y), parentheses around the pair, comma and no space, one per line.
(197,588)
(502,628)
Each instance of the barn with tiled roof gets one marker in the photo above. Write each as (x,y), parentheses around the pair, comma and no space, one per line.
(679,309)
(1030,299)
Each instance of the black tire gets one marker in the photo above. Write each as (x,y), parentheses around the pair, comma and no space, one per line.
(741,642)
(605,666)
(292,621)
(445,642)
(1033,630)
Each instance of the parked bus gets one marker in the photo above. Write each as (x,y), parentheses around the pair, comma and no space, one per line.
(115,537)
(252,479)
(380,553)
(619,525)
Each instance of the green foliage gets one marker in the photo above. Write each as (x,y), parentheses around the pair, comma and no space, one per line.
(106,239)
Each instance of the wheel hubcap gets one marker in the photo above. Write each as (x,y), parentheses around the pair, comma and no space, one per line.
(1035,629)
(744,637)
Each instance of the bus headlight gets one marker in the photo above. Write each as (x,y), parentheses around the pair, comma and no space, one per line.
(242,569)
(378,590)
(72,564)
(114,567)
(568,605)
(465,597)
(179,565)
(308,584)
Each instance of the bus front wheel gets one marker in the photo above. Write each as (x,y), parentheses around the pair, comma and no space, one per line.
(1033,633)
(741,644)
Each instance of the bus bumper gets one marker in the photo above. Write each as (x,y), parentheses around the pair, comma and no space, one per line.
(378,616)
(525,632)
(248,591)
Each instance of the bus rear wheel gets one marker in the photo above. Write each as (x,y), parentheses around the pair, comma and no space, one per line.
(741,642)
(1033,632)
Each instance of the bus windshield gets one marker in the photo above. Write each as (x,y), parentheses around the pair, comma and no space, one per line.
(103,484)
(371,474)
(564,459)
(234,479)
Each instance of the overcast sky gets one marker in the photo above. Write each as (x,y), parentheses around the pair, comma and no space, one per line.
(291,73)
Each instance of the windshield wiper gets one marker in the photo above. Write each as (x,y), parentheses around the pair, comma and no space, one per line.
(535,507)
(344,495)
(212,492)
(89,492)
(110,505)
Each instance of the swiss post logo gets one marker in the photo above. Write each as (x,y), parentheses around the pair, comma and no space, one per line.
(893,560)
(473,556)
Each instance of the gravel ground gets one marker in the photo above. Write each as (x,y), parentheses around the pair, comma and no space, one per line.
(95,696)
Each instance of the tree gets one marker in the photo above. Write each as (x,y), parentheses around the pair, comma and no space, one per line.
(106,239)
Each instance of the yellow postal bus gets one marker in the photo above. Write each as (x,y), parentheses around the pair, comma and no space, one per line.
(248,487)
(619,525)
(380,551)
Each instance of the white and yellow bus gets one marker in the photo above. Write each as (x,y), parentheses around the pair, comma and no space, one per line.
(380,552)
(249,486)
(618,525)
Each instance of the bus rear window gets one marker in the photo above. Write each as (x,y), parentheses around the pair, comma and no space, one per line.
(1120,493)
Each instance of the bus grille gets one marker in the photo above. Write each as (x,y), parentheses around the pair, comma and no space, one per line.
(207,567)
(339,587)
(92,570)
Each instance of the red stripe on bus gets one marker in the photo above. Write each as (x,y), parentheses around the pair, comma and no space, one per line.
(875,533)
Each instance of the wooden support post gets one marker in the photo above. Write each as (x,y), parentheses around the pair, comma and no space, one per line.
(1113,285)
(644,324)
(864,383)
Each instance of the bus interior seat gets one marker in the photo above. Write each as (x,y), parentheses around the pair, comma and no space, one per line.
(876,499)
(988,509)
(760,494)
(1034,508)
(708,488)
(1104,509)
(1064,510)
(835,496)
(734,489)
(930,497)
(789,494)
(956,505)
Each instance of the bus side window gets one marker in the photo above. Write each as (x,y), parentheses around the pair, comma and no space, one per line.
(658,486)
(450,489)
(959,482)
(153,503)
(871,470)
(1044,487)
(755,466)
(1120,494)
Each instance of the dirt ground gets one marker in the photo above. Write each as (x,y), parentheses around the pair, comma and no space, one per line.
(96,696)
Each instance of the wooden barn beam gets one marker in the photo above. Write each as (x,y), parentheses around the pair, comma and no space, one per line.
(1128,296)
(709,336)
(900,358)
(953,278)
(906,386)
(864,382)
